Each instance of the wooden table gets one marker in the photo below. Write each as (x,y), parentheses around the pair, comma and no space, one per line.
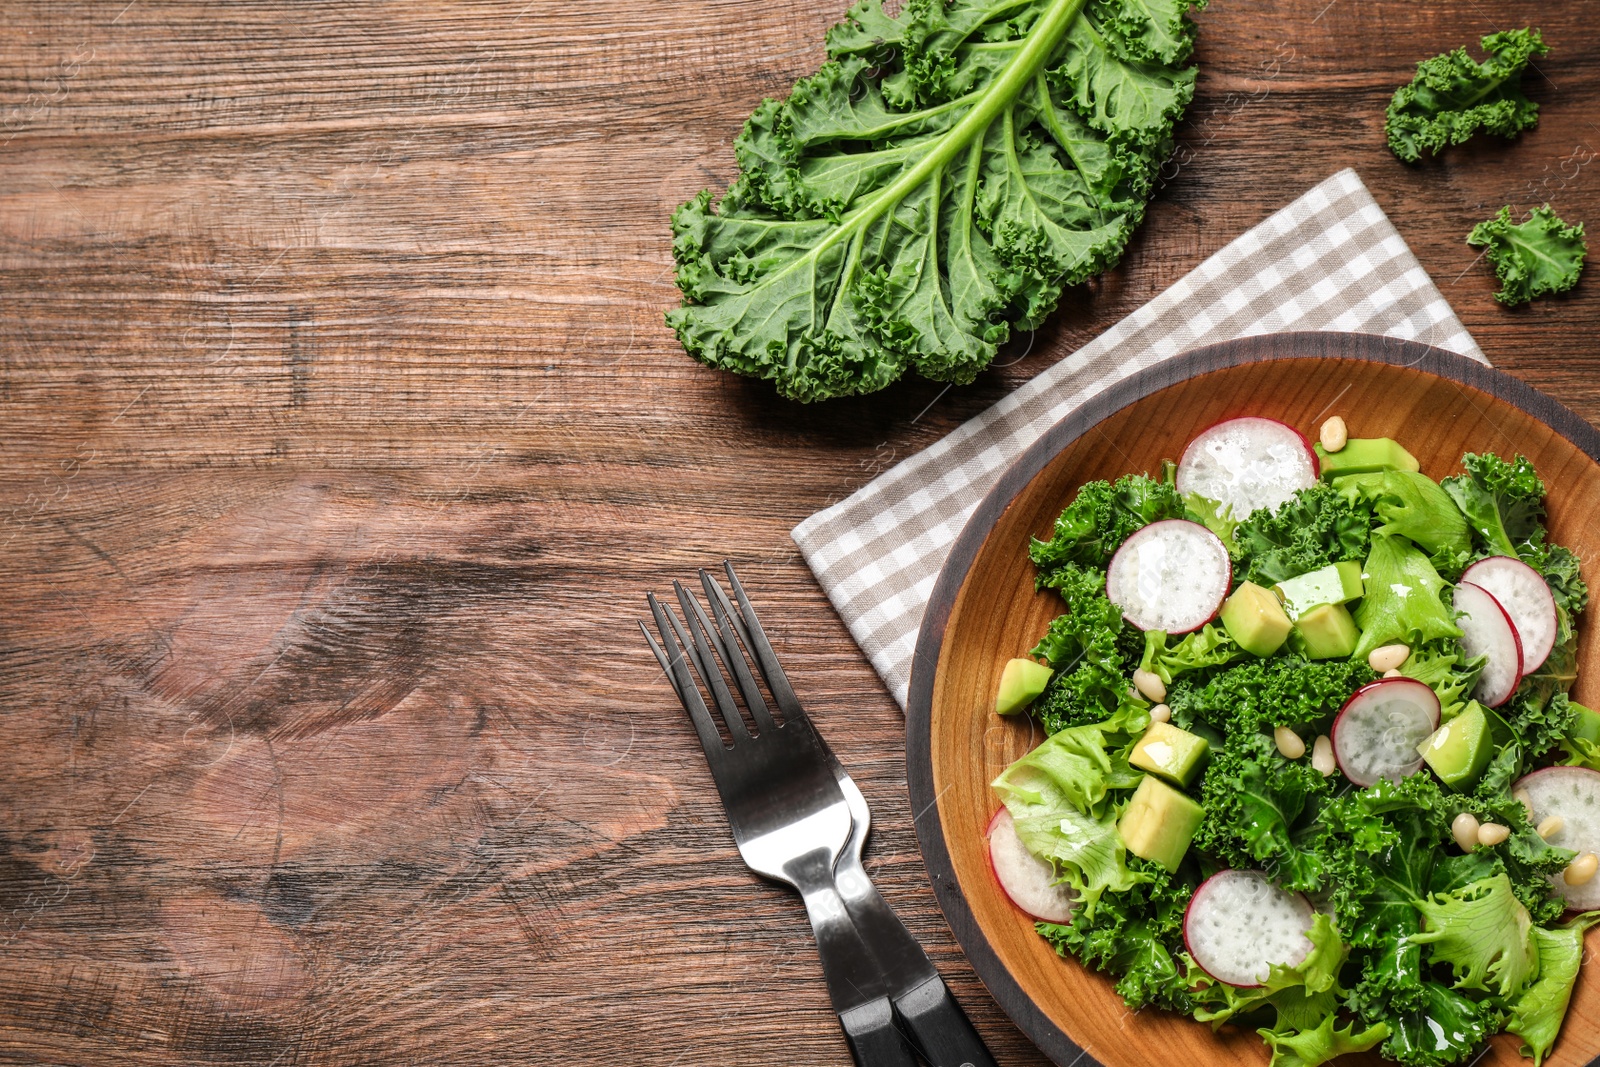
(342,436)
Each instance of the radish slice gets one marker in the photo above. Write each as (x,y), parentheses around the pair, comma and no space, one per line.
(1379,728)
(1526,598)
(1172,575)
(1029,881)
(1239,925)
(1247,464)
(1574,794)
(1487,630)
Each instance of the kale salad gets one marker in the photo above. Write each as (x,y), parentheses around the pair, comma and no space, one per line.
(1311,765)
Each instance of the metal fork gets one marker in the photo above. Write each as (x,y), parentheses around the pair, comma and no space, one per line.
(788,815)
(938,1026)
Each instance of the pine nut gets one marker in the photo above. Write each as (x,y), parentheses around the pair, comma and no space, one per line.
(1388,658)
(1396,673)
(1289,743)
(1322,756)
(1493,833)
(1465,831)
(1581,870)
(1160,713)
(1150,685)
(1525,798)
(1552,826)
(1334,434)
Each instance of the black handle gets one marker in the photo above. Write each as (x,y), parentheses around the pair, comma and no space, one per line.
(942,1031)
(875,1040)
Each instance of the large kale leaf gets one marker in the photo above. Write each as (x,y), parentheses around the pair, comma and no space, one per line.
(1452,97)
(939,180)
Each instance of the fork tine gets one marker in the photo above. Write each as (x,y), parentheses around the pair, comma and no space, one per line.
(728,647)
(678,672)
(710,673)
(756,637)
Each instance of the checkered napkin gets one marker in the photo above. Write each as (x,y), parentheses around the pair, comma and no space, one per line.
(1329,261)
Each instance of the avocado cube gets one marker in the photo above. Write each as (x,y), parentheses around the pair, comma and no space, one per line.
(1254,618)
(1585,724)
(1020,682)
(1337,583)
(1328,632)
(1159,822)
(1459,750)
(1363,455)
(1173,753)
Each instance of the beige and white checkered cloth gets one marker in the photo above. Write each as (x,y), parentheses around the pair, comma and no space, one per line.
(1329,261)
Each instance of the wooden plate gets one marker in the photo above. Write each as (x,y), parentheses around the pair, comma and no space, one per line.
(984,610)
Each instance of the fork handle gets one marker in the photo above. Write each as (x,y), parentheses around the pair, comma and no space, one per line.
(873,1038)
(940,1028)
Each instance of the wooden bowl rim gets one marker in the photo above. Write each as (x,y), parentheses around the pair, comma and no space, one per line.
(1225,355)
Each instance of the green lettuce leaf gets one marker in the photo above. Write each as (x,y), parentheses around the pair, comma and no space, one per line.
(1452,97)
(1059,795)
(1482,931)
(941,179)
(1537,1012)
(1210,646)
(1416,507)
(1402,601)
(1321,1043)
(1531,258)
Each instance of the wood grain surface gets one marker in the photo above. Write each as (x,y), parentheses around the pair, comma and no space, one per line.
(985,607)
(341,436)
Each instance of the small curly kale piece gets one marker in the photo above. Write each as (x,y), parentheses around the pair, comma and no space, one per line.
(1446,1028)
(1532,258)
(1503,502)
(1259,694)
(1089,684)
(1314,528)
(1101,516)
(1259,811)
(1452,97)
(1137,935)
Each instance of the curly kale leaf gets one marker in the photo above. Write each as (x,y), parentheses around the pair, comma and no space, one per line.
(941,179)
(1137,935)
(1445,1028)
(1259,694)
(1259,811)
(1452,97)
(1443,666)
(1081,645)
(1562,574)
(1503,502)
(1539,255)
(1314,528)
(1100,517)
